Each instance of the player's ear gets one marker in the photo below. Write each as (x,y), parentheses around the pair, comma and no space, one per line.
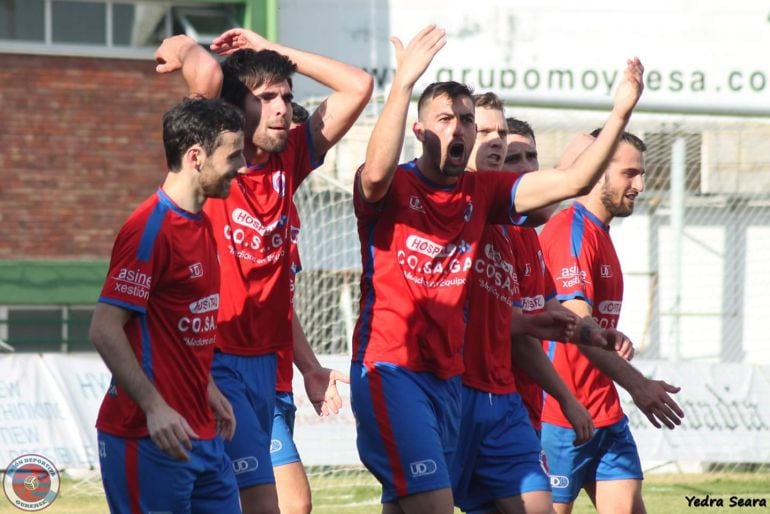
(195,156)
(419,131)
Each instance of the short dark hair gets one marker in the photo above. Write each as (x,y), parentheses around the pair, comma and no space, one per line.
(520,128)
(298,113)
(197,121)
(246,70)
(488,100)
(450,88)
(626,137)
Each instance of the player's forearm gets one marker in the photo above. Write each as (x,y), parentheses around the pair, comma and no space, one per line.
(529,357)
(615,367)
(304,357)
(201,72)
(336,75)
(385,143)
(115,350)
(582,174)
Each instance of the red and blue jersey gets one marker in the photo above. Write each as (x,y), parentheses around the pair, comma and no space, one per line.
(418,245)
(493,290)
(285,364)
(253,232)
(536,289)
(579,252)
(164,270)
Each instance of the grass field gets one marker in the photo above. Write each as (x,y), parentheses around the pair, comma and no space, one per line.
(357,493)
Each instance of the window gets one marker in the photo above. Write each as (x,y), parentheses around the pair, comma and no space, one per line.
(52,328)
(119,23)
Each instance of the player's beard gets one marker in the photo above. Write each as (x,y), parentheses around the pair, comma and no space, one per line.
(271,143)
(214,185)
(617,208)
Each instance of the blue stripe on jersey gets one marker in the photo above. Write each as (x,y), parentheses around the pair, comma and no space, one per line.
(122,305)
(315,161)
(151,229)
(591,216)
(576,230)
(146,348)
(365,330)
(573,296)
(550,295)
(551,350)
(411,166)
(169,203)
(518,304)
(516,218)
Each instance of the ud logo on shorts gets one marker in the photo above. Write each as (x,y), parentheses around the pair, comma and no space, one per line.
(423,467)
(245,465)
(275,445)
(559,482)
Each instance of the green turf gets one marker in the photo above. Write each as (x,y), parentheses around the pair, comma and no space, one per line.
(357,493)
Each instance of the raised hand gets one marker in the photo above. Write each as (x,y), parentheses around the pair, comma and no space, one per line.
(653,399)
(171,53)
(414,59)
(321,388)
(237,39)
(170,431)
(223,412)
(630,88)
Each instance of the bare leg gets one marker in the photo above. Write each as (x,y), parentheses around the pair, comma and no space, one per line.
(619,497)
(260,499)
(293,488)
(439,501)
(535,502)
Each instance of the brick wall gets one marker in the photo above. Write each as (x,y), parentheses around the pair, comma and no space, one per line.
(80,147)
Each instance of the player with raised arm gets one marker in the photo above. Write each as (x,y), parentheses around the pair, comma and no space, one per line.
(538,291)
(253,228)
(155,328)
(589,281)
(419,225)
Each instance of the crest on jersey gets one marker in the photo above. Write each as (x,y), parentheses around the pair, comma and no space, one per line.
(527,269)
(196,270)
(605,270)
(416,204)
(279,183)
(468,211)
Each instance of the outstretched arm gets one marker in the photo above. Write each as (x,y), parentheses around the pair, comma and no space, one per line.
(388,135)
(167,428)
(320,382)
(546,187)
(201,72)
(651,396)
(588,332)
(352,86)
(529,358)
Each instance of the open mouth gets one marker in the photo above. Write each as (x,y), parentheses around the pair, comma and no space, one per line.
(494,158)
(456,150)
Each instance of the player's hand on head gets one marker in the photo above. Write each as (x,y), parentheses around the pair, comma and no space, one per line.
(630,88)
(223,412)
(237,39)
(170,431)
(654,400)
(580,419)
(414,59)
(171,52)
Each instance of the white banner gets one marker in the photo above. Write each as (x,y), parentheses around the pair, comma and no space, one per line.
(48,406)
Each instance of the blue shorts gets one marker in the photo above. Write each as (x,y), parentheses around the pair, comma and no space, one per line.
(610,455)
(139,477)
(282,447)
(407,424)
(498,454)
(249,383)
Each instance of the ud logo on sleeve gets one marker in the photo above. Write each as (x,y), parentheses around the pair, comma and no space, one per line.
(244,465)
(606,271)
